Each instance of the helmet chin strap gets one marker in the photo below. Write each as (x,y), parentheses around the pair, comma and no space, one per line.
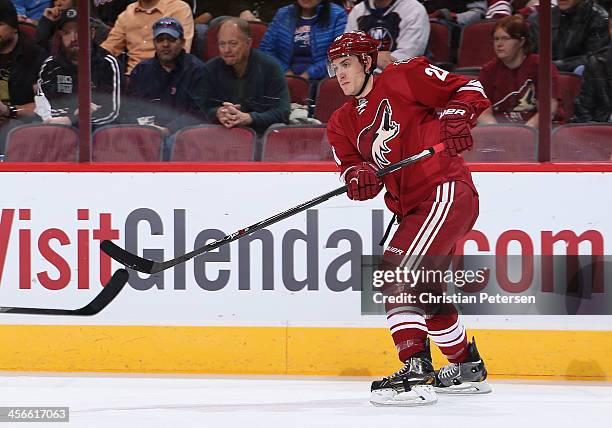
(365,82)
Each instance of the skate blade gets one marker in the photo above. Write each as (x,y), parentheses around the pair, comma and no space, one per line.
(421,395)
(466,388)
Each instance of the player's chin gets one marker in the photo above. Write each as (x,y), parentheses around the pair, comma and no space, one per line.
(346,88)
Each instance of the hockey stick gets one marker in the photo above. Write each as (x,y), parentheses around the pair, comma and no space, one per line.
(108,293)
(150,266)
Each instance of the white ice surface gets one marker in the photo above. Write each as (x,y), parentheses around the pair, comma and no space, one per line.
(198,401)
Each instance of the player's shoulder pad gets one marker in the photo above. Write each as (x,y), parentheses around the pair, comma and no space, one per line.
(415,61)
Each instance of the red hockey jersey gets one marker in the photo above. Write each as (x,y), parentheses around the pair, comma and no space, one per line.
(398,119)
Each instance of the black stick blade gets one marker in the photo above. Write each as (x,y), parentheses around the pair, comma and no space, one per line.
(126,258)
(101,301)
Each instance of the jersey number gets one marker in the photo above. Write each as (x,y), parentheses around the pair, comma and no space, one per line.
(440,74)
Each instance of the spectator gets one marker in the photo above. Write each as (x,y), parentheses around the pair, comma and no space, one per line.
(132,31)
(20,61)
(594,104)
(511,80)
(211,9)
(59,80)
(108,11)
(402,27)
(497,9)
(30,11)
(244,87)
(300,34)
(456,12)
(167,86)
(579,29)
(47,25)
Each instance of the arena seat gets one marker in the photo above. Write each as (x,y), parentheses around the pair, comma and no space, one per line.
(211,50)
(258,30)
(329,98)
(299,90)
(42,143)
(213,143)
(569,88)
(503,143)
(28,29)
(439,42)
(127,143)
(296,143)
(587,142)
(476,44)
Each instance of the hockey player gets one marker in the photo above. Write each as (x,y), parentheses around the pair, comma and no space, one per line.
(393,116)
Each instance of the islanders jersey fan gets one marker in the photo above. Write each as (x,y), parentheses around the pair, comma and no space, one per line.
(393,116)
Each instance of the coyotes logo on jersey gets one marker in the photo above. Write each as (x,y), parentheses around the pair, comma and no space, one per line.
(374,137)
(519,105)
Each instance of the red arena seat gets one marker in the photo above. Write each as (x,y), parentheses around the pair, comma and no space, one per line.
(258,30)
(28,29)
(296,143)
(503,143)
(299,90)
(476,44)
(329,98)
(569,88)
(586,142)
(213,143)
(42,143)
(127,143)
(439,42)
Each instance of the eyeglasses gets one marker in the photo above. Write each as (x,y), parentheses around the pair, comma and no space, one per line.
(502,39)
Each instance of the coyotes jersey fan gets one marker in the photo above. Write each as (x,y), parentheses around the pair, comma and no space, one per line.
(513,92)
(393,116)
(398,119)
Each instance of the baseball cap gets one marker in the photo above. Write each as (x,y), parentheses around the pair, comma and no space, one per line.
(168,26)
(67,16)
(8,14)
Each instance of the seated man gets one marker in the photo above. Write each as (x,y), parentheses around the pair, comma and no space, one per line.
(59,80)
(242,86)
(579,29)
(401,27)
(164,90)
(132,30)
(47,25)
(594,104)
(511,80)
(20,61)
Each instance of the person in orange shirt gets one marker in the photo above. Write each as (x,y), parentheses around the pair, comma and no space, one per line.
(132,31)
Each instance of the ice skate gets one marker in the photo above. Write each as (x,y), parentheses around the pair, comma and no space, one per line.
(468,377)
(410,386)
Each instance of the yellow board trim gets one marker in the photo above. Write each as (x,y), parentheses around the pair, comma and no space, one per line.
(539,354)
